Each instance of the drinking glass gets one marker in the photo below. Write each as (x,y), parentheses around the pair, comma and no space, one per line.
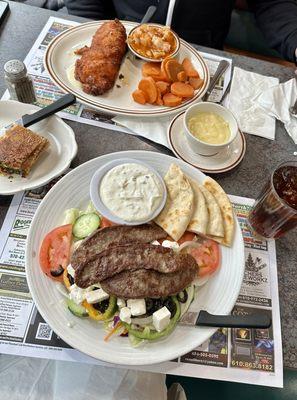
(275,210)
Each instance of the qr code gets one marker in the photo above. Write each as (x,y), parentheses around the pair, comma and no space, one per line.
(44,332)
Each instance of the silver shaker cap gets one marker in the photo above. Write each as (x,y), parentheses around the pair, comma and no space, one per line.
(15,69)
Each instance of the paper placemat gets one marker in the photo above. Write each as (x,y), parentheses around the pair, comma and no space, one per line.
(240,355)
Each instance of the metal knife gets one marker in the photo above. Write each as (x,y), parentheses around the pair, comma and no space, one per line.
(203,318)
(223,65)
(30,119)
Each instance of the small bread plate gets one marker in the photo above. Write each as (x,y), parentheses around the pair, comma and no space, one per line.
(72,192)
(224,161)
(52,162)
(60,63)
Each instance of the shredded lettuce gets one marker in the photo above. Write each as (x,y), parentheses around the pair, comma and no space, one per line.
(70,216)
(135,341)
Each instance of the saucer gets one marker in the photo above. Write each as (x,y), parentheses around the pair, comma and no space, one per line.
(223,161)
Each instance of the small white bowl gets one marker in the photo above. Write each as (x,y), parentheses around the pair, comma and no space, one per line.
(177,41)
(203,148)
(100,206)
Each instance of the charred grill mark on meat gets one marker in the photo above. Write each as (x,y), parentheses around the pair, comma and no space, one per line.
(131,257)
(102,239)
(144,283)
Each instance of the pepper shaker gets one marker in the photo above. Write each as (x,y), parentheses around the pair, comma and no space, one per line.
(19,83)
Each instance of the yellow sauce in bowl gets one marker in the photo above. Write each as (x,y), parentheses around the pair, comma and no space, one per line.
(209,128)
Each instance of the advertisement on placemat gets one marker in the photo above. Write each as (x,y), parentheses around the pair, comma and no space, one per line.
(229,354)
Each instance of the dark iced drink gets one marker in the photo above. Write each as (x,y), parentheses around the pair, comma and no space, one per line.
(275,211)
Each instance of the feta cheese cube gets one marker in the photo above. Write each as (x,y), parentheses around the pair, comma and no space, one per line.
(96,296)
(137,306)
(156,243)
(71,270)
(121,303)
(77,294)
(125,315)
(170,244)
(161,319)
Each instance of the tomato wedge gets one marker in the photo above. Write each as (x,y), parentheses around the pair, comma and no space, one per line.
(206,254)
(186,237)
(105,223)
(55,252)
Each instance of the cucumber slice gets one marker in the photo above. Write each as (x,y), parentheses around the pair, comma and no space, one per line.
(85,225)
(76,309)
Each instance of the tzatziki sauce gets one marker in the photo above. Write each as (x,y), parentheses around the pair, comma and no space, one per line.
(131,191)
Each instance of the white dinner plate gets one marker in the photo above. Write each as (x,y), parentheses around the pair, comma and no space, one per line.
(55,159)
(60,59)
(218,295)
(224,161)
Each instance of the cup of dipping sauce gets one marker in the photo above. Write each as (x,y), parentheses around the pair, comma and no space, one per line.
(209,128)
(128,191)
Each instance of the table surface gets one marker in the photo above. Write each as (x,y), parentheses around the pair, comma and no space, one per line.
(17,36)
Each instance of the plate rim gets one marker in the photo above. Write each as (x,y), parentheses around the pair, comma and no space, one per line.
(67,163)
(207,170)
(110,109)
(173,354)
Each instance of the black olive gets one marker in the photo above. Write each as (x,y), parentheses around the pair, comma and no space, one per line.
(71,280)
(170,305)
(158,303)
(102,306)
(182,297)
(57,272)
(149,305)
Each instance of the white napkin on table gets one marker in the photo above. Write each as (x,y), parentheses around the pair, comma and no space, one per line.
(277,100)
(154,129)
(245,87)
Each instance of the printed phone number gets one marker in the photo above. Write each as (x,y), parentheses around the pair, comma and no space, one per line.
(251,365)
(205,355)
(17,256)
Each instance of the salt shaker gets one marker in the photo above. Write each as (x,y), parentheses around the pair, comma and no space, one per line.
(20,85)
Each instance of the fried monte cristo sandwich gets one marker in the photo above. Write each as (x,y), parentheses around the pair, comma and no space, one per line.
(99,65)
(19,150)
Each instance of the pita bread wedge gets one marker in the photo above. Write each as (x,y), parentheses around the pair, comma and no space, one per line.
(215,225)
(226,208)
(177,213)
(199,220)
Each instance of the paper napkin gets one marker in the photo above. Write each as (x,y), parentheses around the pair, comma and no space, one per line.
(277,100)
(245,87)
(154,129)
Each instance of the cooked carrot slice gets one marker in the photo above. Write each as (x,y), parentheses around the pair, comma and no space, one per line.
(161,77)
(148,86)
(163,63)
(139,96)
(182,76)
(196,83)
(151,69)
(163,86)
(172,68)
(189,69)
(159,100)
(170,100)
(182,89)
